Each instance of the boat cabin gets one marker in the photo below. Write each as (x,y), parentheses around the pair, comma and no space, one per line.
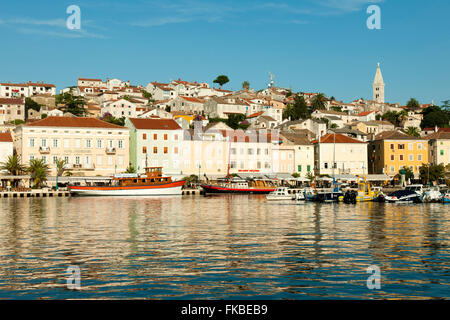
(152,175)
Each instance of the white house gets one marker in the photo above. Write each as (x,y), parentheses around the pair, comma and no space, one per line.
(222,107)
(121,108)
(25,90)
(155,142)
(6,145)
(339,154)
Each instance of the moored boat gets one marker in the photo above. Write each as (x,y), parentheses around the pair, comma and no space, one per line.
(403,196)
(280,194)
(152,183)
(235,186)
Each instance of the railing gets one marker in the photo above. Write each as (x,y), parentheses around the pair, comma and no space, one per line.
(44,149)
(111,150)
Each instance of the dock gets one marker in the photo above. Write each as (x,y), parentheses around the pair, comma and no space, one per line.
(35,194)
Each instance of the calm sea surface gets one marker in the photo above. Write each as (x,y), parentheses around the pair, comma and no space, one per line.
(221,247)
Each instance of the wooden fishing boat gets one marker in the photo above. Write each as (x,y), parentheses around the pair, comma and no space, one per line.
(152,183)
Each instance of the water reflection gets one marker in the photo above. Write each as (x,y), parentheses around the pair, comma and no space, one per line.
(221,247)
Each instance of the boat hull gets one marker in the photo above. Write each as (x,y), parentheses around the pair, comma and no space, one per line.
(168,189)
(212,189)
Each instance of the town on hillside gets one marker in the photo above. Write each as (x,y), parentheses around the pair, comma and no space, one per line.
(99,128)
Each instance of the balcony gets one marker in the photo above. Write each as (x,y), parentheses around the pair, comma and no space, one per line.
(44,150)
(110,150)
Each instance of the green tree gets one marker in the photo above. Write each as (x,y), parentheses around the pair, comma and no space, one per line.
(310,176)
(146,94)
(435,116)
(409,174)
(318,102)
(31,104)
(13,166)
(432,172)
(395,117)
(130,169)
(221,80)
(412,131)
(108,117)
(72,104)
(60,166)
(39,171)
(234,120)
(246,85)
(298,110)
(413,104)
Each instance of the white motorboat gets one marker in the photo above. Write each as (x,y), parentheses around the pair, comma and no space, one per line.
(300,196)
(432,195)
(279,194)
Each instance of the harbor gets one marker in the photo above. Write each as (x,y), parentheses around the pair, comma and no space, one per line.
(186,248)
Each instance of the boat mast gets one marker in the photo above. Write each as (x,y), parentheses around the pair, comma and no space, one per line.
(229,158)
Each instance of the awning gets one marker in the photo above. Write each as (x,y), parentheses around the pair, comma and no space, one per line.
(301,179)
(377,177)
(345,177)
(324,179)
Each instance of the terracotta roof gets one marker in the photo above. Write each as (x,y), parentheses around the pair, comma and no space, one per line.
(28,84)
(155,124)
(5,137)
(11,101)
(255,115)
(87,79)
(191,99)
(395,135)
(443,135)
(337,138)
(362,114)
(73,122)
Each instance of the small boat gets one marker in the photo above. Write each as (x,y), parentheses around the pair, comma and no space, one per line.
(432,195)
(446,198)
(236,186)
(403,196)
(279,194)
(300,195)
(365,193)
(328,195)
(418,188)
(310,194)
(152,183)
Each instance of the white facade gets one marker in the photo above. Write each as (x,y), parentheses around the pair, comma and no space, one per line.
(26,90)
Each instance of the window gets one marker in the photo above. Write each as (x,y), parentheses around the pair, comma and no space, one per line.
(55,159)
(66,159)
(410,146)
(165,136)
(392,168)
(144,136)
(308,168)
(419,146)
(442,152)
(77,159)
(155,150)
(392,146)
(120,160)
(99,160)
(299,169)
(43,142)
(401,146)
(175,150)
(176,137)
(401,157)
(99,144)
(31,142)
(155,136)
(392,157)
(88,143)
(166,150)
(419,157)
(325,165)
(120,144)
(144,149)
(110,161)
(77,143)
(411,157)
(66,143)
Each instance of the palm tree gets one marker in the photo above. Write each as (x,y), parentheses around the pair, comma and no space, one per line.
(39,170)
(130,169)
(318,102)
(412,131)
(60,167)
(246,85)
(13,166)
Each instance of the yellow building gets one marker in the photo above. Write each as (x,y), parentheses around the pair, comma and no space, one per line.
(390,151)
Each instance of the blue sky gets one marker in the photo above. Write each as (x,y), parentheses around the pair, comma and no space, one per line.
(321,45)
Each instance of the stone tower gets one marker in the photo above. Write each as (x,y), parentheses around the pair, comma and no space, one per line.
(378,86)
